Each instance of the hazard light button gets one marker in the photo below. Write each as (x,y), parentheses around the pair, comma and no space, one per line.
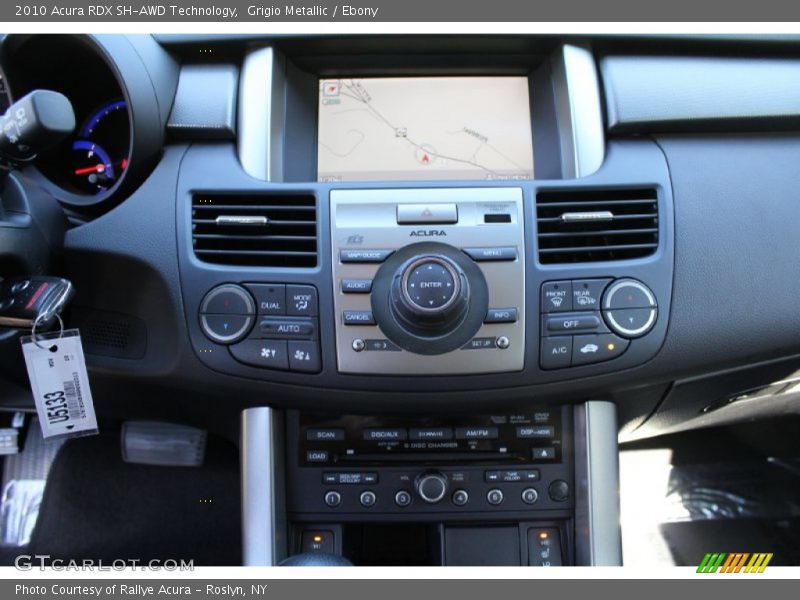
(427,214)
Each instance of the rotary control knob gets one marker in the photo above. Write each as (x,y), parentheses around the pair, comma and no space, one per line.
(429,298)
(431,487)
(629,308)
(430,294)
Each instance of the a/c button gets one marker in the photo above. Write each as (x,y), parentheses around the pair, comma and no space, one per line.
(556,352)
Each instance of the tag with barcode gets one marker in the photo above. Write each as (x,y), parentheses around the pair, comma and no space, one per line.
(60,384)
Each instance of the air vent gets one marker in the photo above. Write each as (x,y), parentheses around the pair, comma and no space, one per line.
(255,230)
(596,225)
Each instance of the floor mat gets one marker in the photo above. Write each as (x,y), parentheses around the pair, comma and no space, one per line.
(712,491)
(24,477)
(96,506)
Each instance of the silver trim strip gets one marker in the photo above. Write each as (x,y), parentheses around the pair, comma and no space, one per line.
(598,539)
(580,217)
(579,111)
(260,126)
(242,220)
(264,531)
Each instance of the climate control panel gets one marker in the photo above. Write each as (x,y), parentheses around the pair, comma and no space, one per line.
(588,321)
(265,325)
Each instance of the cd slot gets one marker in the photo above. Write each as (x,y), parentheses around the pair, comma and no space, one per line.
(414,457)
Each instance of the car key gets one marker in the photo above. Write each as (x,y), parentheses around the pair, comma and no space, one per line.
(28,300)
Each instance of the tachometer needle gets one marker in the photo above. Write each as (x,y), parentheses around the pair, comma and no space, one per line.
(94,169)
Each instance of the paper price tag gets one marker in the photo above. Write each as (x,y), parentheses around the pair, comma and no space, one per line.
(60,384)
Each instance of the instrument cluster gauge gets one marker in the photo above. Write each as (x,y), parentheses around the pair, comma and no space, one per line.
(100,150)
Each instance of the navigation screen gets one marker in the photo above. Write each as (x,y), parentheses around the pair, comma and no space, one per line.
(424,128)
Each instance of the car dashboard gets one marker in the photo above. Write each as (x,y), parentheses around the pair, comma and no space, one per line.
(428,279)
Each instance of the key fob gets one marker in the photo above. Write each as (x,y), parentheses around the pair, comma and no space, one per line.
(23,300)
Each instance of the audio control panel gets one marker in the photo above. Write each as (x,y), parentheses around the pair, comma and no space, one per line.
(428,281)
(404,465)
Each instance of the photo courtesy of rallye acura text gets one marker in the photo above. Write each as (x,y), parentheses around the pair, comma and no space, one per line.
(424,300)
(139,590)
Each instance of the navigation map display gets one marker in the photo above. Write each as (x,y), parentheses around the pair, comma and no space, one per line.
(424,128)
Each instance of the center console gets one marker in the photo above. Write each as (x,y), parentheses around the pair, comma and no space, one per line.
(428,307)
(535,488)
